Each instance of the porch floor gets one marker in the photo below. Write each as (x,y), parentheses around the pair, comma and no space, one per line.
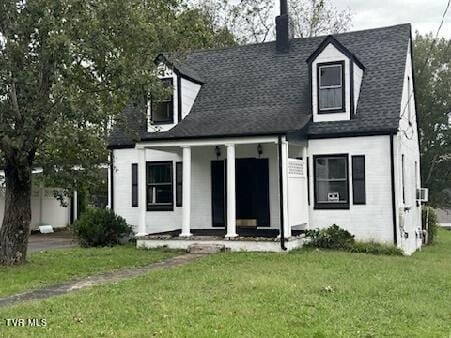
(253,240)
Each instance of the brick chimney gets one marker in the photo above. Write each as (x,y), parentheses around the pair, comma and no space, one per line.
(283,28)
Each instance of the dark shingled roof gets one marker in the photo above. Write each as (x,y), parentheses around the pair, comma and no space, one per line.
(253,90)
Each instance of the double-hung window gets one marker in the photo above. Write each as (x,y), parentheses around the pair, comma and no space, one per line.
(160,196)
(331,87)
(162,111)
(331,181)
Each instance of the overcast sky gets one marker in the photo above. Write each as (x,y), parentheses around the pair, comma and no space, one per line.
(425,15)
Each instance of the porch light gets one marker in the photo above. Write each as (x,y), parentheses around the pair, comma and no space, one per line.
(259,150)
(218,152)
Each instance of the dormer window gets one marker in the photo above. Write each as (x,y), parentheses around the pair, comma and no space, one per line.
(162,111)
(331,87)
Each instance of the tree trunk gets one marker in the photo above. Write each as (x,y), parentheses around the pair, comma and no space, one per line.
(15,229)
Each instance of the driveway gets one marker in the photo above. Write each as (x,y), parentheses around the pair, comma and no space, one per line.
(44,242)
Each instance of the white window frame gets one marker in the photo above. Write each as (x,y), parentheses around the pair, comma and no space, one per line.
(338,64)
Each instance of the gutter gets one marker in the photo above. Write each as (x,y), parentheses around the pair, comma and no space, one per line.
(112,180)
(393,190)
(282,220)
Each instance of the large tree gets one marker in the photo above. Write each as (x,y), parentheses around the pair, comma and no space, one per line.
(432,60)
(253,20)
(67,69)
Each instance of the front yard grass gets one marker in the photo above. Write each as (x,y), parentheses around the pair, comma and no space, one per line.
(59,265)
(305,293)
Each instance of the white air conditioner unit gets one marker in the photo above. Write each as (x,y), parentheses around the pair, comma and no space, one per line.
(422,195)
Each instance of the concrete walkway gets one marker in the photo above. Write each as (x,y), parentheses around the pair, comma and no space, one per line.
(101,279)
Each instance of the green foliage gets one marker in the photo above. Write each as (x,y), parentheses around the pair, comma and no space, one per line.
(316,293)
(433,98)
(332,237)
(337,238)
(57,266)
(68,68)
(252,21)
(429,222)
(375,249)
(100,227)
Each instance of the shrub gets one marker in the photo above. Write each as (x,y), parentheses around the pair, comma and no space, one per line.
(375,249)
(429,222)
(100,227)
(337,238)
(332,237)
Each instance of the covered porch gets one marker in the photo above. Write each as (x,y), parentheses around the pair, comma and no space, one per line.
(247,193)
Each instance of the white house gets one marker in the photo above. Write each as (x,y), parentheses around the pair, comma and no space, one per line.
(270,139)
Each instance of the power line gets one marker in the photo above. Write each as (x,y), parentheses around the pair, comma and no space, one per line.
(427,60)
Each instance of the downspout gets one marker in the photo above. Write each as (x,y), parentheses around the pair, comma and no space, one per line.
(282,220)
(393,190)
(112,180)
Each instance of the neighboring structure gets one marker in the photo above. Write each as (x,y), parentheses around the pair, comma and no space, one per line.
(444,217)
(45,208)
(270,139)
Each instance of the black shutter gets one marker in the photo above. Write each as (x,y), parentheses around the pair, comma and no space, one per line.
(178,184)
(358,179)
(134,184)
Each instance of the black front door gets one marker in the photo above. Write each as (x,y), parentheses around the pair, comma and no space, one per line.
(252,191)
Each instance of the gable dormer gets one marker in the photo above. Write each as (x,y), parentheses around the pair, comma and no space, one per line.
(336,76)
(166,113)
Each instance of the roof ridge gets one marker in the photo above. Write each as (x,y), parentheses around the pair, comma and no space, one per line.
(208,50)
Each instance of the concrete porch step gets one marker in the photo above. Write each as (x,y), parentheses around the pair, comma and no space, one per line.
(200,248)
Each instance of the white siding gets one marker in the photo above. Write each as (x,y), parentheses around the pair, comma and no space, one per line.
(330,54)
(189,94)
(372,221)
(201,217)
(406,143)
(157,221)
(168,73)
(49,211)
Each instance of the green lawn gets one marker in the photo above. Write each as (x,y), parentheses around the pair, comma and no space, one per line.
(305,293)
(53,266)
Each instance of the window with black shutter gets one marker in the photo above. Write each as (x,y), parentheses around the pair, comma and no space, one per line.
(331,181)
(358,180)
(160,186)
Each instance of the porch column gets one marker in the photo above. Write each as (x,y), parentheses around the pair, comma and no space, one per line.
(186,192)
(284,155)
(75,202)
(142,192)
(231,198)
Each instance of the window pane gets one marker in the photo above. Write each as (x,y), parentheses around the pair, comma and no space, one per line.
(330,76)
(337,168)
(163,194)
(332,192)
(321,168)
(160,173)
(330,98)
(161,111)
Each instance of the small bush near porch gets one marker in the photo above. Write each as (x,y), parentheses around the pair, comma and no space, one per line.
(304,293)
